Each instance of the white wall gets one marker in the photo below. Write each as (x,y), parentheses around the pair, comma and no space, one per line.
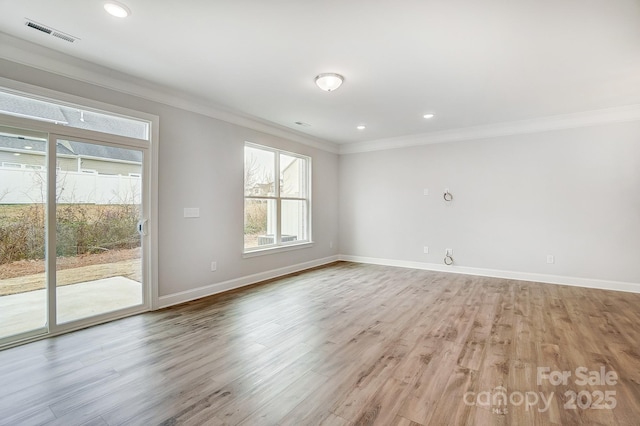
(569,193)
(574,194)
(201,165)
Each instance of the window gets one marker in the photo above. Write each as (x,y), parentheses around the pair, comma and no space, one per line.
(277,198)
(23,105)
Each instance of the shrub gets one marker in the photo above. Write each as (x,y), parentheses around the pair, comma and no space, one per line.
(255,218)
(22,234)
(80,229)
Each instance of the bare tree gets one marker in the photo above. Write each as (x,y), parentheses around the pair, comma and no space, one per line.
(254,177)
(251,170)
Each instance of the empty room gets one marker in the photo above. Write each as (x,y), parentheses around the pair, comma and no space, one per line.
(319,213)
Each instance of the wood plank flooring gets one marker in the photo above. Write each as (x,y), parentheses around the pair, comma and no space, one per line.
(346,344)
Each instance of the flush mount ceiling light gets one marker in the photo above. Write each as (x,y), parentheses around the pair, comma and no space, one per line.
(117,9)
(427,116)
(329,81)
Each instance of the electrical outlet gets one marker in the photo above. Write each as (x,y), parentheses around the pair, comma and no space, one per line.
(448,252)
(551,258)
(425,191)
(214,266)
(425,250)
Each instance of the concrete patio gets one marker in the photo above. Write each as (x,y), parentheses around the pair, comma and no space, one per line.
(27,311)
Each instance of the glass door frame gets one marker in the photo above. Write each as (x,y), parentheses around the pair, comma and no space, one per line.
(43,330)
(50,232)
(149,210)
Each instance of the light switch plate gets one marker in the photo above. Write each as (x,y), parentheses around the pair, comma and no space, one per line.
(191,212)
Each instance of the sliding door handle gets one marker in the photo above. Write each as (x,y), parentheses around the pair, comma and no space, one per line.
(142,227)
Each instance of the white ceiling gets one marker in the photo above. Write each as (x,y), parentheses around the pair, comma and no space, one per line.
(470,62)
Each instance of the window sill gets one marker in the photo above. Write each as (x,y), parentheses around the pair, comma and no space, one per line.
(278,249)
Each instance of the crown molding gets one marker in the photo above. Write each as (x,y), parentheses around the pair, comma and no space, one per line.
(39,57)
(42,58)
(537,125)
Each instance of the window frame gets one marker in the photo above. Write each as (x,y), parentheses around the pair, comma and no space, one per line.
(278,245)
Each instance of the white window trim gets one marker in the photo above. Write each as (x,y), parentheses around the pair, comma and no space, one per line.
(276,249)
(282,246)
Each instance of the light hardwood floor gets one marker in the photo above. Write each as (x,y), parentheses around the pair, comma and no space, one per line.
(346,344)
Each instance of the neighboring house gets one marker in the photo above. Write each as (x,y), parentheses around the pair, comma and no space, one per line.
(87,173)
(23,153)
(293,212)
(29,153)
(262,189)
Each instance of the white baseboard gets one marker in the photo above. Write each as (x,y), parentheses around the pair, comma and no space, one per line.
(522,276)
(197,293)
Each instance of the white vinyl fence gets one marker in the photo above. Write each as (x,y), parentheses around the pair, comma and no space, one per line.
(24,186)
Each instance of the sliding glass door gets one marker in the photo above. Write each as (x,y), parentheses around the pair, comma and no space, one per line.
(98,241)
(23,198)
(73,234)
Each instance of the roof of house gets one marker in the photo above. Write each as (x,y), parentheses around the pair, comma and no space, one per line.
(33,145)
(82,149)
(72,148)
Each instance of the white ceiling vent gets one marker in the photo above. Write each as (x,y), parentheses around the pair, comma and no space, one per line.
(51,31)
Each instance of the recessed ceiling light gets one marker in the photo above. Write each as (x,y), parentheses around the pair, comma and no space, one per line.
(117,9)
(28,147)
(329,81)
(429,115)
(16,153)
(361,127)
(303,124)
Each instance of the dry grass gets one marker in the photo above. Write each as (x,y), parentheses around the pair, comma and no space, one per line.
(23,276)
